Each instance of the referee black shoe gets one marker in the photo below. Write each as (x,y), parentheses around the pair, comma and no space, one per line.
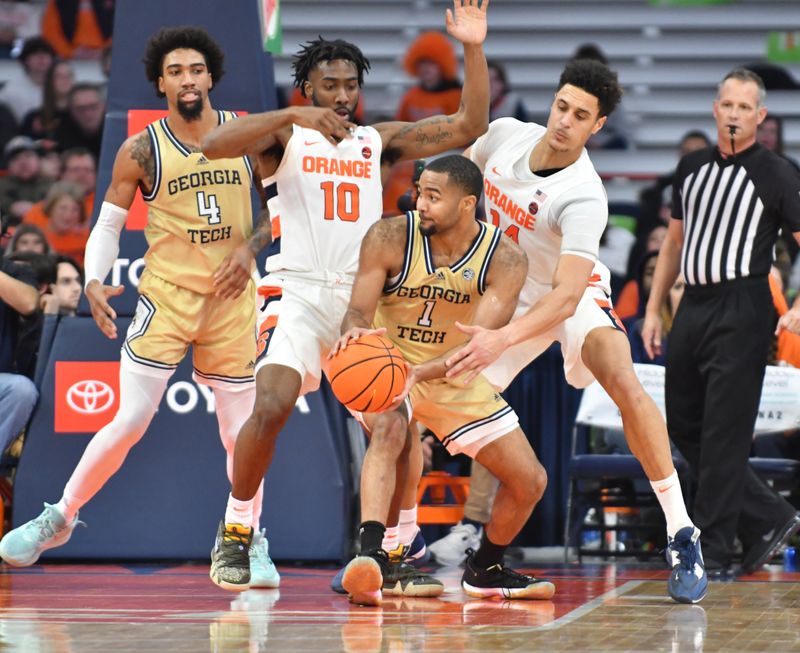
(769,545)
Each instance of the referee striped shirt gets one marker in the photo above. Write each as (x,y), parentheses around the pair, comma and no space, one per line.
(732,210)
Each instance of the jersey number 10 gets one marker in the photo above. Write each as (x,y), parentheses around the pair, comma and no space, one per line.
(342,200)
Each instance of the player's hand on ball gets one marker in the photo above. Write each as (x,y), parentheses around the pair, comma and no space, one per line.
(327,122)
(484,347)
(233,274)
(353,334)
(103,314)
(467,21)
(411,380)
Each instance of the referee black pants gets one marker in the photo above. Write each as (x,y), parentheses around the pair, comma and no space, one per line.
(716,356)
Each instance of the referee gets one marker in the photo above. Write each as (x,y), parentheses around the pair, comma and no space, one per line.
(729,203)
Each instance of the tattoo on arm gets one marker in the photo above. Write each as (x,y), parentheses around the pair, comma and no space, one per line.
(142,153)
(262,235)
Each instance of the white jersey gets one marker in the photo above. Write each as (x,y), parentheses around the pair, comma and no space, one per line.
(562,213)
(328,196)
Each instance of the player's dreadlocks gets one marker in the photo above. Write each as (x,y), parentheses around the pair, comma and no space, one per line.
(313,52)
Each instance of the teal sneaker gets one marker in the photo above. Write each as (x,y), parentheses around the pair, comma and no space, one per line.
(262,570)
(23,546)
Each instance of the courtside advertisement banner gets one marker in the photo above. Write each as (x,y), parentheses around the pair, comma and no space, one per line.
(779,409)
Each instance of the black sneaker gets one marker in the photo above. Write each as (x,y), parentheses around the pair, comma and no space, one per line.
(501,581)
(230,557)
(368,576)
(769,545)
(402,579)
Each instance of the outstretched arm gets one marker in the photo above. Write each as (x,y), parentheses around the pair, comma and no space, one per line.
(467,23)
(259,132)
(504,280)
(569,283)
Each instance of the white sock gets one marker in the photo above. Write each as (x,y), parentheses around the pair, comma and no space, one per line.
(408,525)
(68,506)
(239,512)
(391,539)
(669,495)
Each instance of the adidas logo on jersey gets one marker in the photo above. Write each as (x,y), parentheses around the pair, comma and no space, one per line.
(202,160)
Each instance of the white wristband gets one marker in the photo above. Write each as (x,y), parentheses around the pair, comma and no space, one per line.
(102,247)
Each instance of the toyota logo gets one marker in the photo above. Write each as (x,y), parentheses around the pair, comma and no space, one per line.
(90,396)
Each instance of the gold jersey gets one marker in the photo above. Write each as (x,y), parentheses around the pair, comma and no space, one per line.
(420,307)
(199,210)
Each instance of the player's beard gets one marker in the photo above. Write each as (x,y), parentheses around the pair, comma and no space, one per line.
(191,110)
(351,113)
(429,230)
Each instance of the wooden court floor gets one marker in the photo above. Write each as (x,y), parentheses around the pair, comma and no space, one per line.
(55,608)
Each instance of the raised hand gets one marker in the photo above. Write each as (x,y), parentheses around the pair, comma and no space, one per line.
(467,21)
(103,314)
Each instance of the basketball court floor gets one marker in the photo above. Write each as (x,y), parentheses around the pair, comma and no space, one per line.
(120,608)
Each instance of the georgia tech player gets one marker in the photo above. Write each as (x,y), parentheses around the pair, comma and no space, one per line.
(195,289)
(418,277)
(329,187)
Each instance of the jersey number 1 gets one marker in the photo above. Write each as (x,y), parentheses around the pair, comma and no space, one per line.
(342,200)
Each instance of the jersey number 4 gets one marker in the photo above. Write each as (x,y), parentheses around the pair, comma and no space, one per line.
(208,209)
(341,200)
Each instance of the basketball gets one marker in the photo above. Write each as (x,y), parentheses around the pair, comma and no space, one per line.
(368,375)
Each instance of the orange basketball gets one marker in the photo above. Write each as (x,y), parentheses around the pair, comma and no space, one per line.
(368,375)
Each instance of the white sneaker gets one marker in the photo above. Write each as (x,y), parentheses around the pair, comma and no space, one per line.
(451,550)
(262,570)
(23,546)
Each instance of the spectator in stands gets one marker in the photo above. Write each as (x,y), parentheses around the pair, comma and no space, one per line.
(42,122)
(627,304)
(431,59)
(770,135)
(78,29)
(503,102)
(633,324)
(18,395)
(29,334)
(616,133)
(67,287)
(78,169)
(67,228)
(23,92)
(83,126)
(655,201)
(721,335)
(28,238)
(24,184)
